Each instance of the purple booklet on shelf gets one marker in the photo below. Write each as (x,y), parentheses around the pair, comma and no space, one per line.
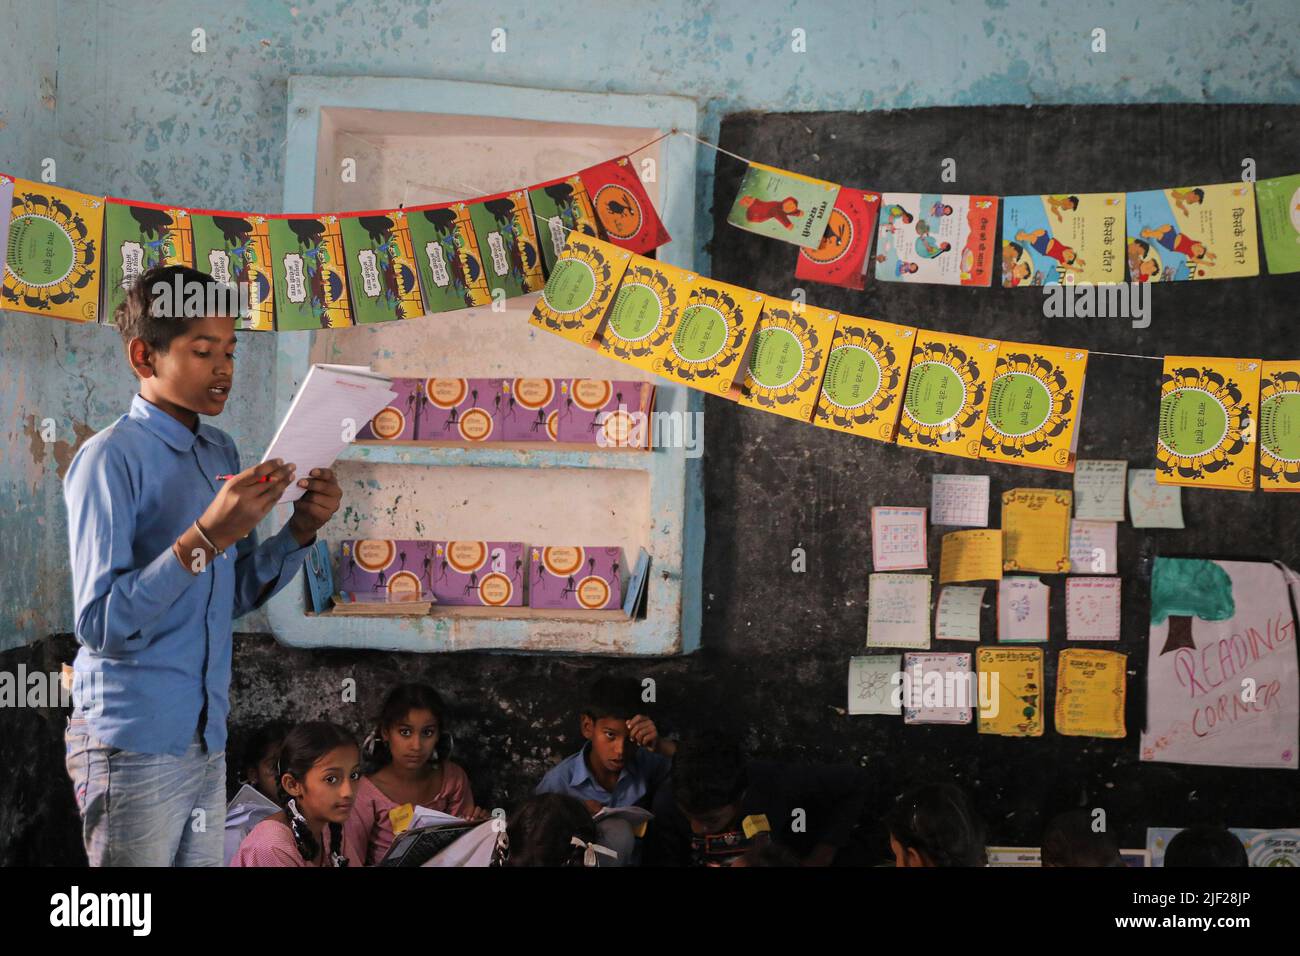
(575,578)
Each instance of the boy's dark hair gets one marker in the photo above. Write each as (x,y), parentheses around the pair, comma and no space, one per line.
(542,829)
(145,312)
(305,744)
(261,740)
(617,697)
(401,700)
(1205,846)
(1070,840)
(939,822)
(709,772)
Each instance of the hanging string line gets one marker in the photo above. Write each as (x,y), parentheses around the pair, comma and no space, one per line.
(474,191)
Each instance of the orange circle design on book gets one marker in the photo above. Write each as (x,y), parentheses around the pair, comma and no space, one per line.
(373,555)
(533,393)
(475,425)
(404,584)
(553,424)
(617,427)
(562,561)
(618,211)
(591,394)
(446,392)
(592,592)
(465,557)
(836,241)
(389,423)
(495,590)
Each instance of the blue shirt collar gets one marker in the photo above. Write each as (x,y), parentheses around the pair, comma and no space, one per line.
(582,772)
(169,429)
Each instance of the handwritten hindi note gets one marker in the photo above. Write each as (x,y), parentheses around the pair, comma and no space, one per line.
(1197,668)
(1090,687)
(1093,547)
(871,684)
(1092,609)
(1012,681)
(958,615)
(898,539)
(1099,489)
(938,688)
(1022,610)
(1036,530)
(1152,505)
(959,500)
(898,614)
(970,556)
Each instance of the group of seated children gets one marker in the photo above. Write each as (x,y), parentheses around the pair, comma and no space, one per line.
(628,797)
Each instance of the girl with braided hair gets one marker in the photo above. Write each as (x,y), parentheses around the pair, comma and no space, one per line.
(320,765)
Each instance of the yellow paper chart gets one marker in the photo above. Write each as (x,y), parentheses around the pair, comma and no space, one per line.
(1279,427)
(862,390)
(787,357)
(1011,678)
(971,556)
(1036,530)
(1090,689)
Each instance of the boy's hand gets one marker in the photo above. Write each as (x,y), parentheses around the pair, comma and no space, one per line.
(315,507)
(643,732)
(245,500)
(593,806)
(478,815)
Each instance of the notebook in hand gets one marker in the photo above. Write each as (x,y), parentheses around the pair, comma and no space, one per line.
(333,403)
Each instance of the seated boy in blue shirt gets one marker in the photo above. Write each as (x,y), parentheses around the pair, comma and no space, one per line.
(622,763)
(163,558)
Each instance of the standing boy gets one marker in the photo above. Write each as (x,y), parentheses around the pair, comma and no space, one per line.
(163,558)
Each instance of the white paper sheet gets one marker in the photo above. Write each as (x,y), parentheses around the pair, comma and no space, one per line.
(1099,486)
(960,500)
(1092,609)
(1093,548)
(316,428)
(898,539)
(958,615)
(871,684)
(899,611)
(1152,505)
(1022,610)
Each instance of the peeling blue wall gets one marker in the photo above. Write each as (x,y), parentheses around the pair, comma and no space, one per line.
(119,100)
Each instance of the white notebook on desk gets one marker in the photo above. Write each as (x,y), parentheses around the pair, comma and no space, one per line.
(332,405)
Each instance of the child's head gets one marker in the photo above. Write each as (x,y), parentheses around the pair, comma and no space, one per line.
(709,780)
(936,825)
(541,832)
(610,703)
(410,732)
(259,757)
(1071,840)
(183,353)
(789,204)
(1068,255)
(1205,846)
(1072,202)
(1198,250)
(319,768)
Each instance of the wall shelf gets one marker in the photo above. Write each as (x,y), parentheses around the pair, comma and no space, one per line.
(415,141)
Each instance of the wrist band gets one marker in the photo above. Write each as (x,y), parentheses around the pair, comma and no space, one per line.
(208,541)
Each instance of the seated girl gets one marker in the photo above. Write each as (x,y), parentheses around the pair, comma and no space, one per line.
(319,771)
(936,825)
(409,769)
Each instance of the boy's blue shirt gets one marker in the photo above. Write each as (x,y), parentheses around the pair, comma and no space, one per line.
(572,776)
(160,636)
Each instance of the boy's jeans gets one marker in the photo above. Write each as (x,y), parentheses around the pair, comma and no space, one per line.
(147,809)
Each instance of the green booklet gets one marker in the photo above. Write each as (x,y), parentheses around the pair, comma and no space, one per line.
(1279,222)
(783,205)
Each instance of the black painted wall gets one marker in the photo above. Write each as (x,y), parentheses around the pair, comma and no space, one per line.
(776,643)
